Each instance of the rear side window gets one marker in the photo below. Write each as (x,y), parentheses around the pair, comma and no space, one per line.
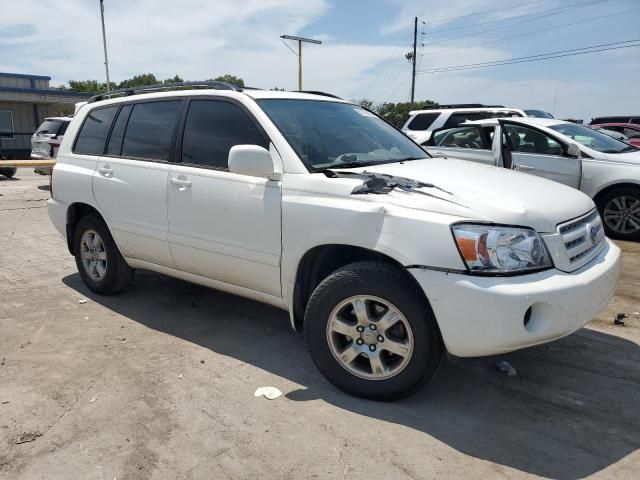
(212,128)
(117,134)
(457,118)
(422,121)
(63,128)
(94,131)
(150,130)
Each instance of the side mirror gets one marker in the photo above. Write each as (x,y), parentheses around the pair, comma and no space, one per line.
(251,160)
(573,151)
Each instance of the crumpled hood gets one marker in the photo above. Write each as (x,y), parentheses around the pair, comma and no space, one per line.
(489,193)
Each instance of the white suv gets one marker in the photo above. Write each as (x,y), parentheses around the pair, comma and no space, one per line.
(422,122)
(385,256)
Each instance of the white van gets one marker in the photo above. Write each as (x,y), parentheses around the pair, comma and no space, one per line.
(385,256)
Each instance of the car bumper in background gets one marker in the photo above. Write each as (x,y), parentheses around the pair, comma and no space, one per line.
(486,315)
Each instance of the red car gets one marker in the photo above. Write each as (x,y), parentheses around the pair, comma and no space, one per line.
(631,130)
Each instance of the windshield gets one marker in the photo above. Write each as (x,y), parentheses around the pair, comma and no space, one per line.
(538,114)
(592,138)
(333,135)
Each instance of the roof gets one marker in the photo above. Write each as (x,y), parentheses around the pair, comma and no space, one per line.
(633,126)
(463,110)
(541,122)
(24,75)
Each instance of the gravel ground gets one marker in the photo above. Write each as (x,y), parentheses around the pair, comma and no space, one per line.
(158,383)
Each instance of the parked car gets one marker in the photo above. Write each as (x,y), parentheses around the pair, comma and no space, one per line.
(384,256)
(8,172)
(538,114)
(604,168)
(46,140)
(422,122)
(617,135)
(630,130)
(635,119)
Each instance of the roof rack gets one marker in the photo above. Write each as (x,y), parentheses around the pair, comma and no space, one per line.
(465,105)
(164,86)
(316,92)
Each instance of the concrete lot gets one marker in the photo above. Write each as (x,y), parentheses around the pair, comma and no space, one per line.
(158,383)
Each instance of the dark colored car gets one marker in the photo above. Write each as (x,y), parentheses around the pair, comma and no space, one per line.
(635,119)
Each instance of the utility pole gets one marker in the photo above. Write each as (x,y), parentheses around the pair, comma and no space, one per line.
(104,44)
(299,40)
(413,60)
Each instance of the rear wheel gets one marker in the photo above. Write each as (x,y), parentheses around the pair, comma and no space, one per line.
(8,172)
(99,262)
(620,211)
(371,333)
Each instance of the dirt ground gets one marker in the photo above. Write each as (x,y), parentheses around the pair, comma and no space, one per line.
(158,383)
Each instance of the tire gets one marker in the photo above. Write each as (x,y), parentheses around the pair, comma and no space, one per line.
(8,172)
(110,273)
(614,205)
(382,289)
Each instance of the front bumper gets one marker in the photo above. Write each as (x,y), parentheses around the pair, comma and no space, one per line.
(486,315)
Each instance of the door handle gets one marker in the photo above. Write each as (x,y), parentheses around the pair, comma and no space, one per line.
(525,167)
(181,183)
(106,171)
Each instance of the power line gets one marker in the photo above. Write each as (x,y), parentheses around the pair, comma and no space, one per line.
(512,24)
(485,12)
(554,27)
(566,7)
(542,56)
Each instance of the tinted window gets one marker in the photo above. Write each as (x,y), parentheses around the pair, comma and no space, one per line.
(422,121)
(6,123)
(117,134)
(63,127)
(150,130)
(49,126)
(212,128)
(94,131)
(527,140)
(457,118)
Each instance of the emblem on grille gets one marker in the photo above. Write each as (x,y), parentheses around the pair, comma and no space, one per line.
(593,233)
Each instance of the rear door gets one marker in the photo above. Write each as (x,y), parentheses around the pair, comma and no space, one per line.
(538,153)
(130,183)
(468,142)
(223,225)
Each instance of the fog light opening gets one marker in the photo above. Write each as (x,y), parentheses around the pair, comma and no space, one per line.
(527,317)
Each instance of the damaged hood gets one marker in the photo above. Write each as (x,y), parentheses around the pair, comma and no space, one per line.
(484,192)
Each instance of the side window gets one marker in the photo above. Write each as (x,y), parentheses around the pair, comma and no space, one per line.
(457,118)
(528,140)
(212,128)
(63,128)
(94,131)
(150,130)
(460,137)
(422,121)
(117,134)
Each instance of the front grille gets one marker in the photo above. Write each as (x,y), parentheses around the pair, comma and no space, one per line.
(583,238)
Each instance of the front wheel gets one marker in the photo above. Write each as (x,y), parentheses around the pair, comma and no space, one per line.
(620,211)
(371,333)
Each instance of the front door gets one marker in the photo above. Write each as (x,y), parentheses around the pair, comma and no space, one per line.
(538,153)
(222,225)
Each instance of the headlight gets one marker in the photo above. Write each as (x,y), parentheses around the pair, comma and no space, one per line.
(490,249)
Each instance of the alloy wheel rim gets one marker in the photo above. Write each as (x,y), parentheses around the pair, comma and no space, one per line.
(622,214)
(93,255)
(369,337)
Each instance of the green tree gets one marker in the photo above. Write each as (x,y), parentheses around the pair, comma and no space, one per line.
(175,79)
(366,103)
(233,80)
(92,86)
(139,81)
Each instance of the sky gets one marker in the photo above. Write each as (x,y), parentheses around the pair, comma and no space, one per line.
(363,49)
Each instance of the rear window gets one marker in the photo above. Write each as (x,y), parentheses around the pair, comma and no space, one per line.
(50,127)
(422,121)
(94,131)
(150,130)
